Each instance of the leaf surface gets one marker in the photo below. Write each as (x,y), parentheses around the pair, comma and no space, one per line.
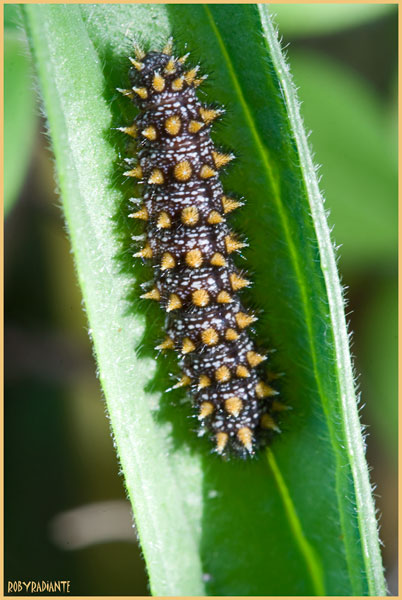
(285,522)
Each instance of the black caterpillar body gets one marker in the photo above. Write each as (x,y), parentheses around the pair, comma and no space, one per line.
(190,245)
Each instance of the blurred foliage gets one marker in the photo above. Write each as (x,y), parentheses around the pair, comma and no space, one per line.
(359,164)
(42,298)
(19,111)
(309,19)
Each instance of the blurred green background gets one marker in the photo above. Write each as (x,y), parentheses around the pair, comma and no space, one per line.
(66,513)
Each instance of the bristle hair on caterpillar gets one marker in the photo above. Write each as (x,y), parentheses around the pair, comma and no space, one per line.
(191,247)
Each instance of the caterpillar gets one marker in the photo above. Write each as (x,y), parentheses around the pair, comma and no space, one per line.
(190,246)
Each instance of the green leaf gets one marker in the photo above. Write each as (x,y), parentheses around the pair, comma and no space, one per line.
(12,16)
(299,519)
(19,115)
(359,165)
(310,19)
